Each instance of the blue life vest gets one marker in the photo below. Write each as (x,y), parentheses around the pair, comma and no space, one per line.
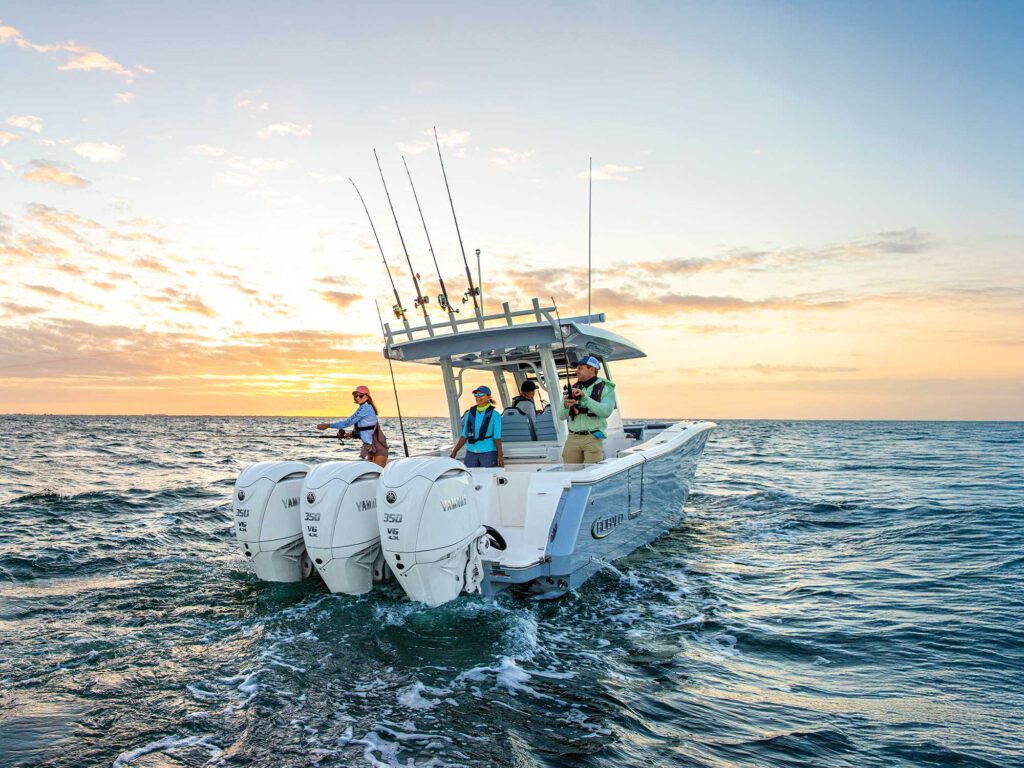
(485,424)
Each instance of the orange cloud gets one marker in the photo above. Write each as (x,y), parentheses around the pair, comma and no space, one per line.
(78,57)
(49,172)
(341,299)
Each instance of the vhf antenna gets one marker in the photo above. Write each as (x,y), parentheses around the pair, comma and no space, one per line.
(387,354)
(472,292)
(446,305)
(421,300)
(397,309)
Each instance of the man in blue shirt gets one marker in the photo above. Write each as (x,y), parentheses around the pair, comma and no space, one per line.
(481,433)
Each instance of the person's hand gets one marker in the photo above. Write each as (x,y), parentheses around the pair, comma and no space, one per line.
(452,454)
(322,426)
(341,434)
(501,461)
(577,394)
(569,402)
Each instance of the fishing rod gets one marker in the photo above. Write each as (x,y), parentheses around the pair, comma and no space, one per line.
(472,292)
(446,305)
(397,309)
(421,300)
(565,352)
(387,349)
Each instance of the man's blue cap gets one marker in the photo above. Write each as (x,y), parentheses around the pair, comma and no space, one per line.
(592,361)
(482,391)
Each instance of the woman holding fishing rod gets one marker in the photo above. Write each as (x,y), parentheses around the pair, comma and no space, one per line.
(375,445)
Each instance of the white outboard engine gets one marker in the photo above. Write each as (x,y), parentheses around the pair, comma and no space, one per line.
(267,526)
(430,528)
(339,524)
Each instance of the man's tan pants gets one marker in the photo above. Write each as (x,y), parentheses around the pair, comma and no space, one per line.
(582,449)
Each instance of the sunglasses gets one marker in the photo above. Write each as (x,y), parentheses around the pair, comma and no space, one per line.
(359,394)
(480,394)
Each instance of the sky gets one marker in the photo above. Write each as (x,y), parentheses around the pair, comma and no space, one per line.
(800,210)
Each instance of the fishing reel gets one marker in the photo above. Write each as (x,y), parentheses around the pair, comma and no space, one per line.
(442,301)
(399,312)
(421,302)
(471,293)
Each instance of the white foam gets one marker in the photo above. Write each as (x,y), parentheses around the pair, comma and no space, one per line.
(168,744)
(412,697)
(199,693)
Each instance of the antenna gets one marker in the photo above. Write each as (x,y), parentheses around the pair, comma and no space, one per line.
(443,298)
(397,309)
(590,208)
(394,386)
(472,292)
(421,300)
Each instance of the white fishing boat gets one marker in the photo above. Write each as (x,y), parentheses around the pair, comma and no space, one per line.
(536,526)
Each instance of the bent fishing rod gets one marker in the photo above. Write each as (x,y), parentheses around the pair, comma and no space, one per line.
(394,386)
(397,309)
(446,305)
(472,292)
(421,300)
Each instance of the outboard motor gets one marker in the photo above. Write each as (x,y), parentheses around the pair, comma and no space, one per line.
(339,524)
(266,507)
(430,528)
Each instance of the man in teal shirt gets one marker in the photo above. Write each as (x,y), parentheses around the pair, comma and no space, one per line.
(481,432)
(587,408)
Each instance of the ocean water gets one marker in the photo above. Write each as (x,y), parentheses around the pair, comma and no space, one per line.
(840,594)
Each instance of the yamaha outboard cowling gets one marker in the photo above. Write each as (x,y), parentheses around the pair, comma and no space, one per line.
(266,509)
(339,524)
(430,528)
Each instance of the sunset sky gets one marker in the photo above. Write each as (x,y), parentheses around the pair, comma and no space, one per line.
(801,210)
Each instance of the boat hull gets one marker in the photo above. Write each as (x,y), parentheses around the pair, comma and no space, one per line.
(603,520)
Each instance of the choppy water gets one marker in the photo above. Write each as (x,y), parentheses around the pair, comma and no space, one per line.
(841,594)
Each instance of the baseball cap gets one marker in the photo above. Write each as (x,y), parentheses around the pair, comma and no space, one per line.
(361,390)
(592,361)
(482,391)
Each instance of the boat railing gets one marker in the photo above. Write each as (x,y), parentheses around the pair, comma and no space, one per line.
(507,317)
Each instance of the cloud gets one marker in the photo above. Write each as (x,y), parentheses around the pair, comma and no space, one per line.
(49,172)
(6,137)
(611,172)
(325,178)
(248,103)
(124,97)
(671,303)
(20,310)
(285,129)
(504,157)
(26,122)
(898,242)
(341,299)
(206,150)
(109,353)
(100,153)
(255,165)
(77,57)
(451,138)
(7,166)
(47,289)
(154,265)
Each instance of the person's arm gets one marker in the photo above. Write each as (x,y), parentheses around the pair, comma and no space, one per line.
(351,419)
(563,409)
(462,440)
(603,408)
(501,456)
